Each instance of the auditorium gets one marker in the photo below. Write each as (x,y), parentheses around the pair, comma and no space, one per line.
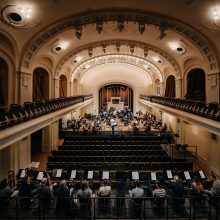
(109,109)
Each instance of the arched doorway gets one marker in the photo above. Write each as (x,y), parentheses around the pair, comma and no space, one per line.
(196,85)
(117,96)
(40,84)
(3,83)
(62,86)
(170,90)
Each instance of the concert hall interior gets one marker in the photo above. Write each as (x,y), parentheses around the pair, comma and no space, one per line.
(122,90)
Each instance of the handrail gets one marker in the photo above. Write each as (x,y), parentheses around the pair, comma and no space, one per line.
(17,114)
(207,110)
(113,207)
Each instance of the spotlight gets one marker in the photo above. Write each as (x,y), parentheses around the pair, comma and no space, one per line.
(132,48)
(141,27)
(120,24)
(145,52)
(90,51)
(104,48)
(78,32)
(162,32)
(99,27)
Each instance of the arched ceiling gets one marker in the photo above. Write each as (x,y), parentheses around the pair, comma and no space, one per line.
(52,26)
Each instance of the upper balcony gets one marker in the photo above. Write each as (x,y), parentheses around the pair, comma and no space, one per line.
(18,121)
(206,115)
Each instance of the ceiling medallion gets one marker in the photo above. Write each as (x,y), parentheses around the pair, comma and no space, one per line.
(16,16)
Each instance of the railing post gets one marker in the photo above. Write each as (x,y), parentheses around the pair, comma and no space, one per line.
(16,207)
(94,200)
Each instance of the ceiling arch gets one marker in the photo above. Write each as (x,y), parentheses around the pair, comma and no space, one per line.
(143,50)
(149,18)
(118,59)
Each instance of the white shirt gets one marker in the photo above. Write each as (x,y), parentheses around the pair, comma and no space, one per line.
(104,191)
(112,122)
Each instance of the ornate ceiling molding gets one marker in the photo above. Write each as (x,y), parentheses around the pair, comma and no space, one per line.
(106,15)
(143,58)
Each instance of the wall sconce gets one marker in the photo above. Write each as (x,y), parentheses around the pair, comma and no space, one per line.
(78,32)
(141,27)
(90,52)
(99,27)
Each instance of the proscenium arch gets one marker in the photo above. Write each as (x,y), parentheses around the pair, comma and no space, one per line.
(82,76)
(135,65)
(132,15)
(109,82)
(123,93)
(137,44)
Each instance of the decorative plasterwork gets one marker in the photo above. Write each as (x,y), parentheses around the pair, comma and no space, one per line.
(136,62)
(144,58)
(128,15)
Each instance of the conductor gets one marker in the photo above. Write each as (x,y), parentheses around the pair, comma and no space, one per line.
(113,124)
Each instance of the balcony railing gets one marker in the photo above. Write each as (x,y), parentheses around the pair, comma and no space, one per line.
(207,110)
(114,207)
(16,114)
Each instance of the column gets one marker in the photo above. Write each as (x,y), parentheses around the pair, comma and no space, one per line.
(25,87)
(50,136)
(178,88)
(56,88)
(213,87)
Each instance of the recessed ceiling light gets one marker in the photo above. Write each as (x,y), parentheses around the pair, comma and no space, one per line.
(179,47)
(16,15)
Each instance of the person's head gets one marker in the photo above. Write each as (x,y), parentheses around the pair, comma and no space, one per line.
(137,184)
(176,179)
(84,185)
(44,181)
(196,179)
(63,183)
(3,183)
(105,182)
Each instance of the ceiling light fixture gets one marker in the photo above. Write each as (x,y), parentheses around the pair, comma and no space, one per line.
(214,21)
(17,16)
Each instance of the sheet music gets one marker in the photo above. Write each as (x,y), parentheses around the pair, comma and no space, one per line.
(90,175)
(59,173)
(73,174)
(40,176)
(35,164)
(202,175)
(169,174)
(153,176)
(187,176)
(23,173)
(105,175)
(135,175)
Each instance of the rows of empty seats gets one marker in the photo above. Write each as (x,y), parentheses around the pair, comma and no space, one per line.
(141,153)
